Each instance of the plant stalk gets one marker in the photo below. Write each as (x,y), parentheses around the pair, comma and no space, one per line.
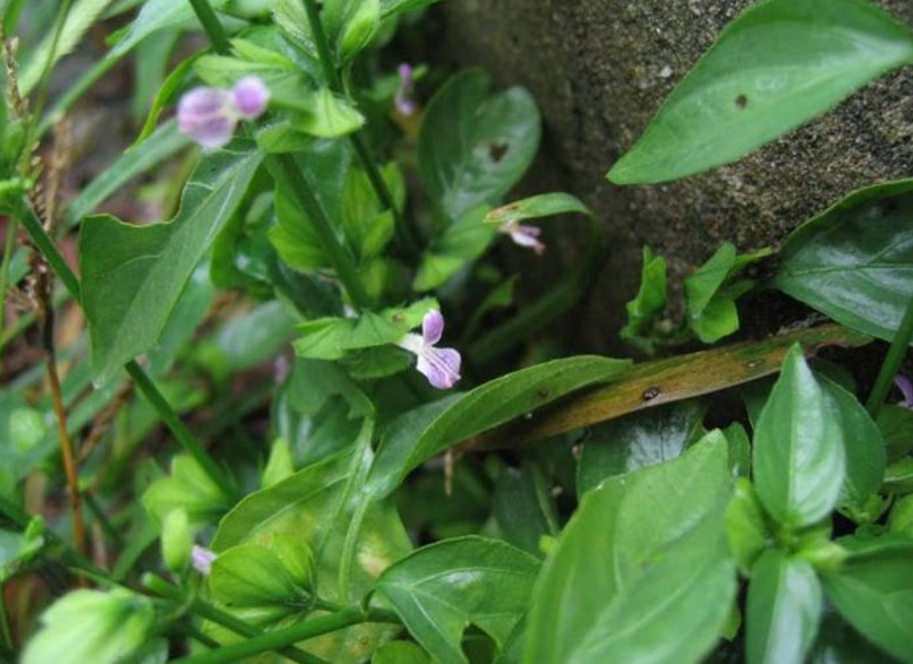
(205,610)
(891,365)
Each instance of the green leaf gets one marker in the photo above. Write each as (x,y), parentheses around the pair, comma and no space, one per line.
(353,540)
(334,338)
(457,246)
(165,142)
(798,448)
(418,435)
(326,115)
(24,439)
(440,590)
(154,16)
(862,444)
(474,147)
(188,488)
(711,293)
(854,261)
(392,7)
(838,643)
(650,301)
(637,440)
(642,565)
(784,607)
(177,541)
(133,275)
(400,652)
(777,65)
(537,207)
(874,593)
(359,27)
(524,508)
(275,579)
(92,626)
(746,529)
(19,548)
(80,18)
(896,426)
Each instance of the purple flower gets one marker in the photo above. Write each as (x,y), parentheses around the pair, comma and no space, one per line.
(525,236)
(405,94)
(210,115)
(905,385)
(202,559)
(441,366)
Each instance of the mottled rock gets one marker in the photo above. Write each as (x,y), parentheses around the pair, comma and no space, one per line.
(601,68)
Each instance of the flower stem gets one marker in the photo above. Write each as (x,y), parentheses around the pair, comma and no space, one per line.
(279,638)
(49,250)
(404,235)
(211,26)
(892,361)
(205,610)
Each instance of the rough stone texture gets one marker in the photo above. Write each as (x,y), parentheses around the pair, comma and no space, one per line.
(601,68)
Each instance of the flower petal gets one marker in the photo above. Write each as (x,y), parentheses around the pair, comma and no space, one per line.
(202,559)
(433,327)
(441,366)
(905,385)
(250,96)
(527,236)
(206,115)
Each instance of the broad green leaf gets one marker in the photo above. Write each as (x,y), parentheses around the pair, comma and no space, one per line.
(784,607)
(637,440)
(324,508)
(133,275)
(273,581)
(641,572)
(524,507)
(359,26)
(400,652)
(874,593)
(165,142)
(81,17)
(473,146)
(746,528)
(896,426)
(417,436)
(536,207)
(440,590)
(777,65)
(901,517)
(457,246)
(863,447)
(854,261)
(333,338)
(649,303)
(711,293)
(838,643)
(798,448)
(93,626)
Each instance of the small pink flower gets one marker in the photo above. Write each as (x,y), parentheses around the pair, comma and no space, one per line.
(405,94)
(202,559)
(905,385)
(210,115)
(524,236)
(441,366)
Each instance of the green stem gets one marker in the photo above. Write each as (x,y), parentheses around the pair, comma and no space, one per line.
(5,632)
(145,385)
(205,610)
(279,638)
(11,14)
(99,514)
(8,247)
(285,171)
(403,231)
(198,635)
(211,26)
(892,361)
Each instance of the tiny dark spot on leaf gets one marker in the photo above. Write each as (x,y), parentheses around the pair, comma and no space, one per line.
(398,318)
(741,101)
(542,393)
(497,151)
(650,394)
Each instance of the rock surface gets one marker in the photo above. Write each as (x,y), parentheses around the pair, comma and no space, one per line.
(600,69)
